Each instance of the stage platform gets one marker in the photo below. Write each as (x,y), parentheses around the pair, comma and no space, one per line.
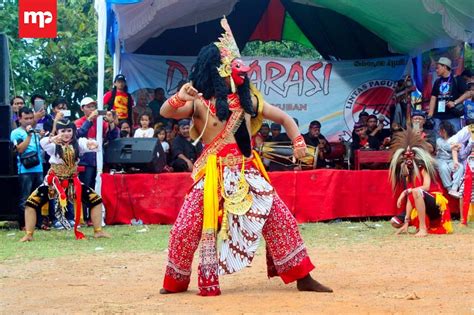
(312,196)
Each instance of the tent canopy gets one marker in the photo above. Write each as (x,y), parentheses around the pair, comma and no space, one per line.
(338,29)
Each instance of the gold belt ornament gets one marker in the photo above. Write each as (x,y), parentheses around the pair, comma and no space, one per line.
(240,201)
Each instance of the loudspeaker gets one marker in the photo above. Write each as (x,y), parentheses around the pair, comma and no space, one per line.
(7,157)
(145,154)
(9,190)
(5,122)
(4,69)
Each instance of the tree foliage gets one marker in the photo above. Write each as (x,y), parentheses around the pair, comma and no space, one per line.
(65,66)
(286,49)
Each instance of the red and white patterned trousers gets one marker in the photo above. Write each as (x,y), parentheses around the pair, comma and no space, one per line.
(286,252)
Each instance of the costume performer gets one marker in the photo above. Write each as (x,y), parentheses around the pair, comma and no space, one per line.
(231,188)
(464,139)
(63,184)
(412,169)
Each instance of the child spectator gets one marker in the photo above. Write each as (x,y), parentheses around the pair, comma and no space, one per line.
(144,131)
(161,135)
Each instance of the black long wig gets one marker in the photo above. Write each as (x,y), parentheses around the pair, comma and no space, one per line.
(64,124)
(206,79)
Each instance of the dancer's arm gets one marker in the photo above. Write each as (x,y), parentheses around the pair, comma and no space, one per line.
(180,105)
(280,117)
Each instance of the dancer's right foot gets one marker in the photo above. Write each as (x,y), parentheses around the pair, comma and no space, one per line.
(309,284)
(164,291)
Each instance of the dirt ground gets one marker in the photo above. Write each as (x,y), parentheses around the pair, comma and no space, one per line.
(399,275)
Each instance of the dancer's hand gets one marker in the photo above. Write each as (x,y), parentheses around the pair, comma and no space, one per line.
(92,145)
(188,92)
(400,199)
(403,229)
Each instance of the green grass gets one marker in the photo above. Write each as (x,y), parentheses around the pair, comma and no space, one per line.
(154,238)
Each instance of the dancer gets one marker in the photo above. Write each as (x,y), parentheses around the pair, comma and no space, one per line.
(231,188)
(412,169)
(62,182)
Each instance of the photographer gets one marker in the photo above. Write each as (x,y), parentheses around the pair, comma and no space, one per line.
(59,110)
(87,127)
(30,168)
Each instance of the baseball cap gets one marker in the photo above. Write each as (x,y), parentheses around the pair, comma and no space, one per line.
(445,61)
(87,101)
(120,77)
(315,123)
(418,113)
(184,122)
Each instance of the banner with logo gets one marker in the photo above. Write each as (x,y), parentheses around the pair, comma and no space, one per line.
(332,92)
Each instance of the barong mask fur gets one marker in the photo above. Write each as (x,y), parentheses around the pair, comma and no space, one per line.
(409,153)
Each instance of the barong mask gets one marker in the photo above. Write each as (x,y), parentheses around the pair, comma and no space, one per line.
(232,66)
(410,154)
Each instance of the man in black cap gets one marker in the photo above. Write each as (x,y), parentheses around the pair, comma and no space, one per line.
(183,152)
(365,141)
(119,100)
(316,139)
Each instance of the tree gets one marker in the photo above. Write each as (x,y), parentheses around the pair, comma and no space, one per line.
(64,66)
(284,48)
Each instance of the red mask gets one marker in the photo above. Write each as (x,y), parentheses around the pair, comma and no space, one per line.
(239,71)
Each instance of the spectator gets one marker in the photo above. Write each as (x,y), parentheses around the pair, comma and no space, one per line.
(314,138)
(38,103)
(30,167)
(141,108)
(119,100)
(87,127)
(365,140)
(16,103)
(445,90)
(155,106)
(144,131)
(262,135)
(450,172)
(161,135)
(420,126)
(277,136)
(57,114)
(363,117)
(183,152)
(125,130)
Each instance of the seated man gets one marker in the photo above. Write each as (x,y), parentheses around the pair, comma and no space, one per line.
(364,139)
(375,128)
(314,138)
(424,128)
(183,152)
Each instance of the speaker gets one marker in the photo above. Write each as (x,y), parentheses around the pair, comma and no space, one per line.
(145,154)
(5,122)
(10,193)
(7,158)
(4,69)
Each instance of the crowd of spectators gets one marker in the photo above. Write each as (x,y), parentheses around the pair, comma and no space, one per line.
(122,119)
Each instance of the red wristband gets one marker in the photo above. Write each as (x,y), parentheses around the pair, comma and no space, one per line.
(298,142)
(176,102)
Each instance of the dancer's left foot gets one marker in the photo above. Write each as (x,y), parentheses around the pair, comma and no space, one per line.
(421,233)
(101,234)
(309,284)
